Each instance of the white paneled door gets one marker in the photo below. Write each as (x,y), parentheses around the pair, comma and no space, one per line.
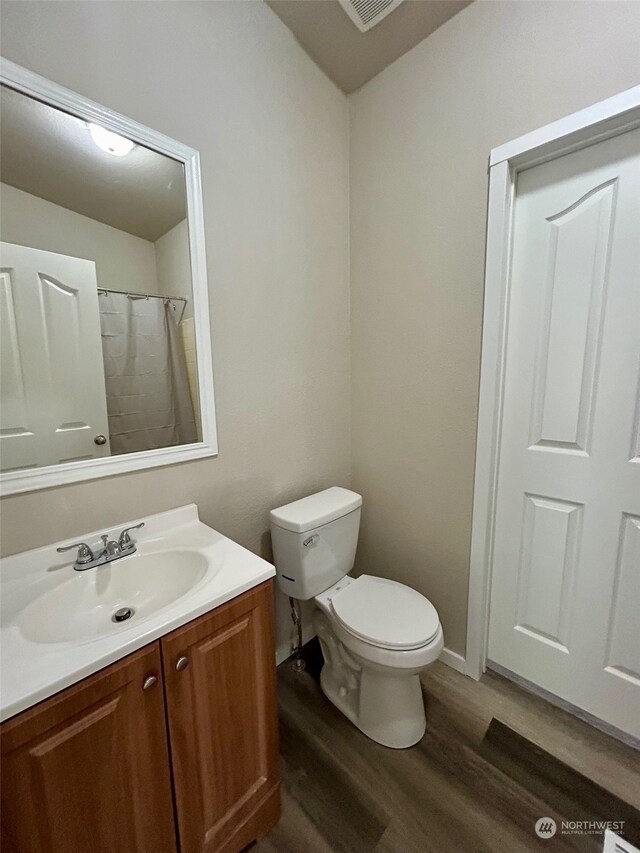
(565,592)
(51,368)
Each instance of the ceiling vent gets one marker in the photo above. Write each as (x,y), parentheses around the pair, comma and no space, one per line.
(367,13)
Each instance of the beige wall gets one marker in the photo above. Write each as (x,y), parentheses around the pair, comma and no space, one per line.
(229,80)
(123,262)
(421,133)
(173,265)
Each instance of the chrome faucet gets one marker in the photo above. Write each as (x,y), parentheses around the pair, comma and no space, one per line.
(111,550)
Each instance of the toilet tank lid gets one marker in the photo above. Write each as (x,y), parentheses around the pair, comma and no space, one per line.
(315,510)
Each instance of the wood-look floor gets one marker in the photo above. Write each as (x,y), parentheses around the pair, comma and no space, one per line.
(494,759)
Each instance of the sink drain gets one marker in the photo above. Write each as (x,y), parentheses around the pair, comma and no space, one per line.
(123,614)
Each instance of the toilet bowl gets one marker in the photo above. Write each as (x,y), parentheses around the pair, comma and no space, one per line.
(376,635)
(373,660)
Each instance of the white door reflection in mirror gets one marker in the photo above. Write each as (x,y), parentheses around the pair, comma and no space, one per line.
(52,375)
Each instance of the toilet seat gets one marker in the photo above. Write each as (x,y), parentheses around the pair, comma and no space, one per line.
(385,613)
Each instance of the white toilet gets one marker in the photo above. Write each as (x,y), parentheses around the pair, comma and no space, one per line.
(376,635)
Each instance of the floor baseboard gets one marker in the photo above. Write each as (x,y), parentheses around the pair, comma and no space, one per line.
(454,660)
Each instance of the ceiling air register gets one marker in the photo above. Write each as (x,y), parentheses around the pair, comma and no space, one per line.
(367,13)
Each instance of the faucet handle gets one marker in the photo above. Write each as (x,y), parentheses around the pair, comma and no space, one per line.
(124,540)
(85,554)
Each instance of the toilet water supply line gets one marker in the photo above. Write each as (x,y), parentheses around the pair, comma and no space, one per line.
(298,663)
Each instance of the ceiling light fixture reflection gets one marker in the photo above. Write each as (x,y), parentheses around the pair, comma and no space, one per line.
(110,142)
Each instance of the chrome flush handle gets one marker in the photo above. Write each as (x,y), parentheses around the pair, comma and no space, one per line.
(312,540)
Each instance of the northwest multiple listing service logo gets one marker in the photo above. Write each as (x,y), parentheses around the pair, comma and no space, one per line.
(545,827)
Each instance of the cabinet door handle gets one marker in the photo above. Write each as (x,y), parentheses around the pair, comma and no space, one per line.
(149,682)
(182,663)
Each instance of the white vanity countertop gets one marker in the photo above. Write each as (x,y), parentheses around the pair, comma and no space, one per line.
(39,653)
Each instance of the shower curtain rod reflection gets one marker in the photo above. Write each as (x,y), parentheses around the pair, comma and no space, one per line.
(132,294)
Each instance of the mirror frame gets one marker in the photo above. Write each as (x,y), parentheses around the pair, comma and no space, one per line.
(30,479)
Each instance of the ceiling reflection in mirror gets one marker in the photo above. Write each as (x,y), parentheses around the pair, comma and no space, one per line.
(96,310)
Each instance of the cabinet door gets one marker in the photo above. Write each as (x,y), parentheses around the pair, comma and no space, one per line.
(88,770)
(221,706)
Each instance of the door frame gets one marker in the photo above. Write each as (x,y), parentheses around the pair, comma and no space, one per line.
(595,123)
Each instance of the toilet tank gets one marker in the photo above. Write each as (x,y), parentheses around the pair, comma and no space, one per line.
(314,541)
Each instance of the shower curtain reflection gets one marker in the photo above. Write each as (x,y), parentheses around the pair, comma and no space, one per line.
(148,400)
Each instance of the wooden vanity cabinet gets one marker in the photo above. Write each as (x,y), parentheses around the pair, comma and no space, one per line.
(221,708)
(185,725)
(88,770)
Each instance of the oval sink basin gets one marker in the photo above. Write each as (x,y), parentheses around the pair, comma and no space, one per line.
(81,608)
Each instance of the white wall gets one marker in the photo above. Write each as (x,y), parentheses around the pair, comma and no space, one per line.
(421,133)
(228,79)
(173,265)
(123,262)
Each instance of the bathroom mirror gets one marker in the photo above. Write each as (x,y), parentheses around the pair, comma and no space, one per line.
(104,313)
